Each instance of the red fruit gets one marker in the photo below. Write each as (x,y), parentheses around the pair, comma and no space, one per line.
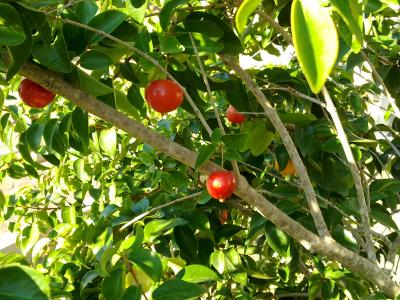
(221,184)
(34,95)
(234,116)
(164,95)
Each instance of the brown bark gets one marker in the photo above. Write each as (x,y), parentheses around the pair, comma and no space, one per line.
(324,246)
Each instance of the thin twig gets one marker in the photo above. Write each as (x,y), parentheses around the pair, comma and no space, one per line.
(154,209)
(150,59)
(389,264)
(330,107)
(275,25)
(287,141)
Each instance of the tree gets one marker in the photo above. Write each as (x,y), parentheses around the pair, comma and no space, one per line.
(119,208)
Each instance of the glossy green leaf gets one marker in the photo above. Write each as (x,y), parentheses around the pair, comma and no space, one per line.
(79,168)
(384,218)
(108,141)
(203,43)
(205,153)
(136,99)
(235,141)
(243,13)
(278,240)
(80,124)
(170,44)
(177,289)
(55,57)
(132,293)
(155,228)
(34,135)
(205,27)
(168,10)
(11,28)
(123,104)
(113,286)
(86,10)
(197,274)
(95,60)
(91,85)
(107,22)
(20,55)
(187,242)
(351,13)
(315,40)
(23,283)
(88,278)
(136,9)
(148,261)
(297,118)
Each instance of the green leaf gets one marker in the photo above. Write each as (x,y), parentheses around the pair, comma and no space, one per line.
(20,55)
(177,289)
(52,137)
(203,43)
(91,85)
(351,13)
(383,217)
(123,104)
(108,141)
(205,152)
(278,240)
(95,60)
(208,28)
(197,274)
(259,137)
(113,286)
(136,99)
(86,10)
(22,283)
(88,278)
(235,141)
(80,124)
(187,242)
(132,293)
(107,22)
(245,10)
(170,44)
(315,40)
(148,261)
(136,12)
(79,168)
(11,28)
(55,57)
(297,118)
(155,228)
(34,135)
(167,12)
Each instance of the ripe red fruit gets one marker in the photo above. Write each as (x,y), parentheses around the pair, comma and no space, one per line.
(223,216)
(33,94)
(164,95)
(234,116)
(221,184)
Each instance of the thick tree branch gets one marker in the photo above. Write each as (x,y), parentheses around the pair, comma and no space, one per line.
(324,246)
(287,141)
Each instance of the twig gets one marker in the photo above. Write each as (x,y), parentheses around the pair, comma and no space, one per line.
(287,141)
(330,107)
(150,59)
(141,216)
(205,79)
(275,25)
(288,295)
(384,88)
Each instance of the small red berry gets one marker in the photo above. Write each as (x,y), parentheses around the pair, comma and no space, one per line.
(164,95)
(33,94)
(223,216)
(221,184)
(234,116)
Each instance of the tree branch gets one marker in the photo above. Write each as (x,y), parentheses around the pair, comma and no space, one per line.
(324,246)
(330,107)
(287,141)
